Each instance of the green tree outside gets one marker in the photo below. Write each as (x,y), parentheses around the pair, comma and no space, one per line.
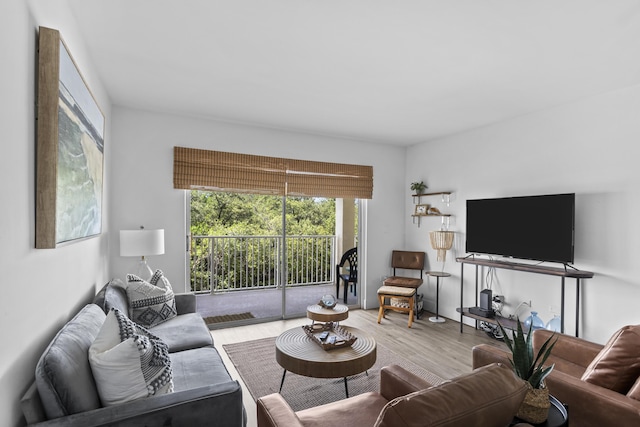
(235,214)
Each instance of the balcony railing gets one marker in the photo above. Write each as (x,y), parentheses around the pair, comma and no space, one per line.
(229,263)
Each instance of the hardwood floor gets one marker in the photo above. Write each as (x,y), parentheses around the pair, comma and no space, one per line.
(437,347)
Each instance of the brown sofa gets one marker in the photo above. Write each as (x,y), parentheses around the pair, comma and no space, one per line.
(588,404)
(489,396)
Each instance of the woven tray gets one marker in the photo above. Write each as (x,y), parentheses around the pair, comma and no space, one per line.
(343,337)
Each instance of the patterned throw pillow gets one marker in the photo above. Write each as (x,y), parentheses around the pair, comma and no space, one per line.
(152,302)
(128,362)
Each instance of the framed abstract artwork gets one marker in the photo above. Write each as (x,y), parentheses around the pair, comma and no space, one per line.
(70,148)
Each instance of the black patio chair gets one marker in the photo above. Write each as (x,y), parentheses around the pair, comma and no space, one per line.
(350,278)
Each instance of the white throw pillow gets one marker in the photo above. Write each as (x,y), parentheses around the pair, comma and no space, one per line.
(128,362)
(152,302)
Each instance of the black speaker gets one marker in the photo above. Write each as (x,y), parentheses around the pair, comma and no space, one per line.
(486,296)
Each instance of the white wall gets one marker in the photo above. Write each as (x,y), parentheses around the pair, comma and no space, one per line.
(143,193)
(41,289)
(589,148)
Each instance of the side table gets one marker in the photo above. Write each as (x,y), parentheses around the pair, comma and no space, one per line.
(318,313)
(437,275)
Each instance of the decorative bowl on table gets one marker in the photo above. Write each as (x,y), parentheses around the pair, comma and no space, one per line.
(328,301)
(329,335)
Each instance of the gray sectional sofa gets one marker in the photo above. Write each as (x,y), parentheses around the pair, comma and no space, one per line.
(64,392)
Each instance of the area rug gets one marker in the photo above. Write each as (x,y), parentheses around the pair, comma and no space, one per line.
(228,318)
(257,366)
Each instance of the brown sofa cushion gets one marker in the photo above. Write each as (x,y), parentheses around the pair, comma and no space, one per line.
(634,392)
(489,396)
(360,410)
(617,366)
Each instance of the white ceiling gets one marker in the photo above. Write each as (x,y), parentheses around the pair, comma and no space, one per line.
(392,71)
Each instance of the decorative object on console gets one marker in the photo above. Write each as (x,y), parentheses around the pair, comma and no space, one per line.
(533,322)
(554,324)
(442,241)
(141,243)
(530,367)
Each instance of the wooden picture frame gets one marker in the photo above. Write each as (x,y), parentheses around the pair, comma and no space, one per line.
(421,210)
(69,148)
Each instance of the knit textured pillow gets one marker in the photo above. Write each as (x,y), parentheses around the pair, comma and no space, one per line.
(152,302)
(128,362)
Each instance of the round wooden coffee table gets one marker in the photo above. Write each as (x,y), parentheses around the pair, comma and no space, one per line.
(298,353)
(318,313)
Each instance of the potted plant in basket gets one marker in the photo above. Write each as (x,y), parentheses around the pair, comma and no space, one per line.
(530,367)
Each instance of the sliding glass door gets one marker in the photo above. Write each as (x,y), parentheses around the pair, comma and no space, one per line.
(259,257)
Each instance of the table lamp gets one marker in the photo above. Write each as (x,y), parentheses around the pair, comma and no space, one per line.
(141,243)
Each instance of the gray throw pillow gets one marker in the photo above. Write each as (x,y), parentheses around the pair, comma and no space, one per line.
(152,302)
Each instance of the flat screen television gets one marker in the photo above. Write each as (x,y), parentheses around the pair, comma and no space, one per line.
(530,227)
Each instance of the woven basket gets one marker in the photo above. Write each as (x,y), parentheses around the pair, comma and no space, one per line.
(535,406)
(400,302)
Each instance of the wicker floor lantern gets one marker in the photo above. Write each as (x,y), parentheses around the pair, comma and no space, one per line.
(442,242)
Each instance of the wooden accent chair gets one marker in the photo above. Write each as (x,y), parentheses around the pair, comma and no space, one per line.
(403,288)
(351,278)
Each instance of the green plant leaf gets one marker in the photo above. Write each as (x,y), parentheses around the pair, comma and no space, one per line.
(526,364)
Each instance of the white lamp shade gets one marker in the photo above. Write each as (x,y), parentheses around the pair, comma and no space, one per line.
(141,242)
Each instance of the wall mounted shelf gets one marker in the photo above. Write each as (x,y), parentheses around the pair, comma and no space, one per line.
(417,200)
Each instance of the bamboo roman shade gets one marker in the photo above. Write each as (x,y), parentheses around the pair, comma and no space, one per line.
(216,170)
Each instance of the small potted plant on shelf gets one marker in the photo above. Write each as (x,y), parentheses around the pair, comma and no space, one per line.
(535,407)
(418,187)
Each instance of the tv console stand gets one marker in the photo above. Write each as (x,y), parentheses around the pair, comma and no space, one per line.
(538,269)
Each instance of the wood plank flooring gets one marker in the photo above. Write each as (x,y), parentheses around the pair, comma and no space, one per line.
(437,347)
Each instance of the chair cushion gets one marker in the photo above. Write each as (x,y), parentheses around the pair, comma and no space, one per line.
(405,282)
(396,291)
(150,303)
(489,396)
(617,366)
(128,362)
